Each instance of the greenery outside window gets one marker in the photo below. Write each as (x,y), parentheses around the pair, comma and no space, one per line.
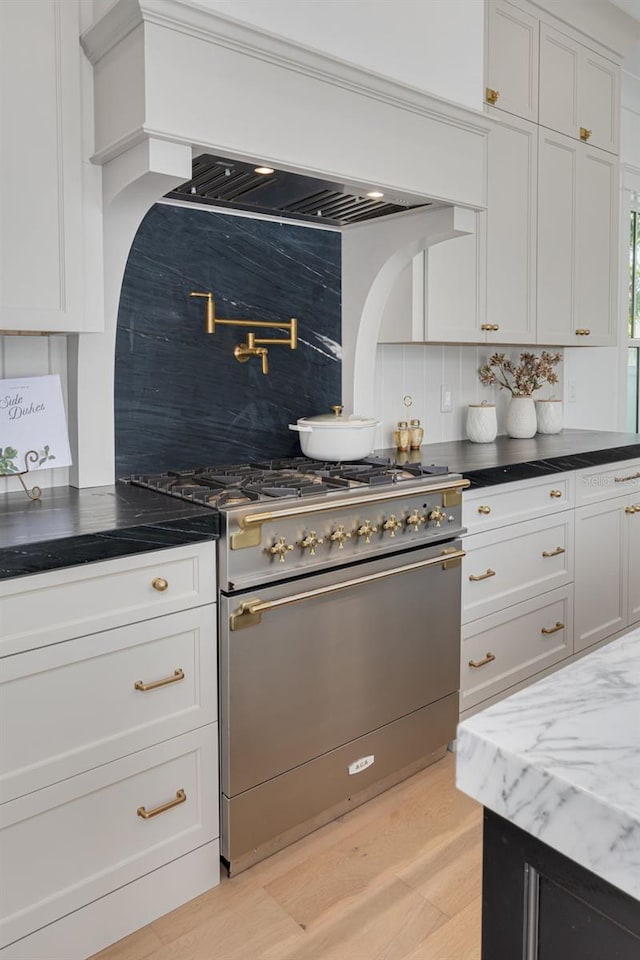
(633,404)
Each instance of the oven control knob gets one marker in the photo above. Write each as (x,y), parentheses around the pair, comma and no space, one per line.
(310,542)
(280,549)
(437,516)
(414,520)
(339,536)
(366,530)
(392,524)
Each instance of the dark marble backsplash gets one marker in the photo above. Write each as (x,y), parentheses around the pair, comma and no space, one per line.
(181,399)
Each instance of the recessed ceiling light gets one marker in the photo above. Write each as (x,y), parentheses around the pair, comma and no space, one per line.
(375,194)
(264,170)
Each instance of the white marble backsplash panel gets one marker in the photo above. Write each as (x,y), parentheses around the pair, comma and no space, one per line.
(35,357)
(561,760)
(420,370)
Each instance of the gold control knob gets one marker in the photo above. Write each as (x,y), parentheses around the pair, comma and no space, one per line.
(436,516)
(366,530)
(280,549)
(491,96)
(585,134)
(392,524)
(310,542)
(339,536)
(414,520)
(160,584)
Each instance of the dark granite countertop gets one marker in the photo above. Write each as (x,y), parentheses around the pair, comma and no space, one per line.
(506,460)
(70,526)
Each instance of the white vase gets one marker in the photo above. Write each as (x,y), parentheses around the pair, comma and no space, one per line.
(521,418)
(549,416)
(482,423)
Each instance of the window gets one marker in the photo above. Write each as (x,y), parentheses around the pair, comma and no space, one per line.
(633,399)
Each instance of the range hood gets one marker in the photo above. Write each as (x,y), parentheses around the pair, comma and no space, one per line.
(237,185)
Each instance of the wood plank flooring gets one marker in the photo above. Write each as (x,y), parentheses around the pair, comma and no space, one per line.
(396,879)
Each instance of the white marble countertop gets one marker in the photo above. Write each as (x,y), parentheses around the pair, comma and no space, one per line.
(561,760)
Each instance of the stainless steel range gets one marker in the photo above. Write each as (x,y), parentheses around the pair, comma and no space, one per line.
(339,635)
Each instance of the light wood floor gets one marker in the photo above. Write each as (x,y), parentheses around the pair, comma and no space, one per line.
(396,879)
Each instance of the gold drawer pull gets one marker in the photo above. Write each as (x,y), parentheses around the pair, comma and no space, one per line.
(553,553)
(548,630)
(148,814)
(585,134)
(482,576)
(177,676)
(555,493)
(491,96)
(160,584)
(484,509)
(489,658)
(634,476)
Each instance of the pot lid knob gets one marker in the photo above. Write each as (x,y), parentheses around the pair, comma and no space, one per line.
(337,409)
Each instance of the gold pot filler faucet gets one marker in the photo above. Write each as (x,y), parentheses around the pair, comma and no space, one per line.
(253,346)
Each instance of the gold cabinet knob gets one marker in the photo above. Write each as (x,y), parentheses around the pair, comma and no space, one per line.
(491,96)
(582,332)
(280,549)
(436,516)
(484,509)
(366,530)
(555,494)
(634,508)
(310,542)
(339,536)
(486,326)
(337,409)
(414,520)
(585,134)
(160,584)
(392,524)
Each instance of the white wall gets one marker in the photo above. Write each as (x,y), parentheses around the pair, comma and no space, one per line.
(435,45)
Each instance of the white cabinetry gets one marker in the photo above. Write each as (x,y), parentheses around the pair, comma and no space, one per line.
(517,585)
(108,748)
(512,59)
(42,251)
(579,91)
(607,551)
(577,242)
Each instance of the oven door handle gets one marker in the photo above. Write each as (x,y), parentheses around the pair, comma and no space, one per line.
(249,613)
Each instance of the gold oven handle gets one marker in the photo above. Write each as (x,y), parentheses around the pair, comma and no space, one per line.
(249,613)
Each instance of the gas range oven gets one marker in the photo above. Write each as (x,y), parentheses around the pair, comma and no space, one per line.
(339,635)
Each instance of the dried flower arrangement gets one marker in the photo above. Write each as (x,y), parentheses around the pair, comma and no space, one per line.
(525,377)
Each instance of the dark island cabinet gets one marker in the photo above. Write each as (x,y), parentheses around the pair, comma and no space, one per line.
(540,905)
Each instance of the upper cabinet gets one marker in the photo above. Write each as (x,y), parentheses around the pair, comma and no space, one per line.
(511,54)
(579,91)
(42,241)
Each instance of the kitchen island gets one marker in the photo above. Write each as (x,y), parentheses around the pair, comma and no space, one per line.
(557,769)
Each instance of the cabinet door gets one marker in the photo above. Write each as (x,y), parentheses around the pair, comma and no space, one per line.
(599,100)
(511,231)
(596,246)
(557,203)
(600,571)
(559,79)
(454,288)
(632,516)
(512,59)
(40,167)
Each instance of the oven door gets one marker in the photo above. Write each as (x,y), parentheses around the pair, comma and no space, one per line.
(314,663)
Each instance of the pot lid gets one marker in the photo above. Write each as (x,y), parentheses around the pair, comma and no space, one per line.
(339,419)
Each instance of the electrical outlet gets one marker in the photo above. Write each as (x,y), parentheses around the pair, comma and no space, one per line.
(571,391)
(445,399)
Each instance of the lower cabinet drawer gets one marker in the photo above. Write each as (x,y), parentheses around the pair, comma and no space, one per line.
(106,696)
(505,567)
(510,646)
(67,845)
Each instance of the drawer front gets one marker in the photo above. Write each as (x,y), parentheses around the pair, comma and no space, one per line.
(510,646)
(491,507)
(51,607)
(603,483)
(94,713)
(87,838)
(515,563)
